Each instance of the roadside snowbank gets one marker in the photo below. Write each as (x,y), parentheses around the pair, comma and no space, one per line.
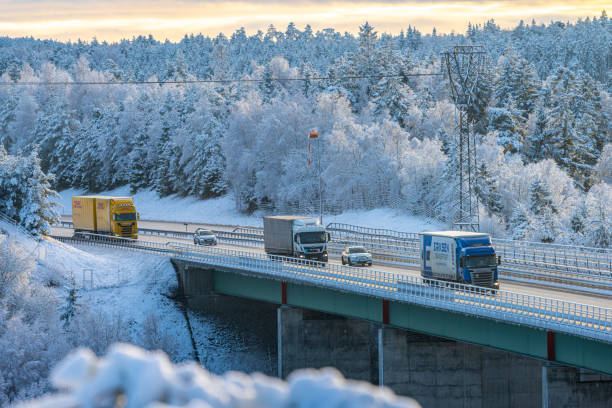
(148,379)
(223,211)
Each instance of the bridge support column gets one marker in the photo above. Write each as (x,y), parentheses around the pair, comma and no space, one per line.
(544,385)
(381,362)
(308,339)
(197,285)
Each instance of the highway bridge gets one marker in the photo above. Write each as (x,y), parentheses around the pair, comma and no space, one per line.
(554,304)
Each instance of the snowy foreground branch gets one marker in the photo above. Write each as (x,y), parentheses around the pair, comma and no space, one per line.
(132,377)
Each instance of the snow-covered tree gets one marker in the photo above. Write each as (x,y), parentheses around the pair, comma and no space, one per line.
(545,225)
(599,222)
(68,309)
(25,192)
(517,83)
(509,125)
(603,169)
(486,190)
(519,223)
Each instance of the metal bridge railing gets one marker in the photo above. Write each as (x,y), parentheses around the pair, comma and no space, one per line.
(599,259)
(546,264)
(373,233)
(595,259)
(544,313)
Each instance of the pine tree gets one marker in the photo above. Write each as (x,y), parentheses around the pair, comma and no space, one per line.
(600,227)
(8,103)
(208,179)
(68,310)
(517,81)
(392,97)
(538,144)
(308,73)
(88,166)
(25,193)
(167,151)
(140,168)
(599,221)
(540,197)
(560,127)
(55,132)
(366,62)
(487,192)
(578,218)
(267,86)
(591,128)
(481,97)
(509,126)
(519,224)
(112,148)
(545,221)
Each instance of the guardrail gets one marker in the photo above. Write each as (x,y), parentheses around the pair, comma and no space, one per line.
(516,265)
(599,259)
(18,227)
(374,233)
(545,313)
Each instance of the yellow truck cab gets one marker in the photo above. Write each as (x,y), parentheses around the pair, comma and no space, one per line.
(115,216)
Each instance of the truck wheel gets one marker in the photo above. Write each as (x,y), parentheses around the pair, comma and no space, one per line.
(343,260)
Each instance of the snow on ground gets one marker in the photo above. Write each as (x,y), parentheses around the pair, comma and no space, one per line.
(223,211)
(236,339)
(127,285)
(147,379)
(135,286)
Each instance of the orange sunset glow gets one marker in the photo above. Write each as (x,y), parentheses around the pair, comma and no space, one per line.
(114,20)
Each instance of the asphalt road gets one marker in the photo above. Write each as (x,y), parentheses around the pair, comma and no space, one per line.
(521,288)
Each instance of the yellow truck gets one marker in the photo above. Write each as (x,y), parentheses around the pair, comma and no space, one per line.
(115,216)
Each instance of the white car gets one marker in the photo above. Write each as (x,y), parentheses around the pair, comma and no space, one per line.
(354,255)
(204,237)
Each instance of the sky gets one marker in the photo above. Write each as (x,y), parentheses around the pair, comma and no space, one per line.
(112,20)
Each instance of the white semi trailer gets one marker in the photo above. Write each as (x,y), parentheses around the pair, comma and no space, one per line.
(459,256)
(295,236)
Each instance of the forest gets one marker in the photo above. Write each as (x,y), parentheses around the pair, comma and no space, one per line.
(211,116)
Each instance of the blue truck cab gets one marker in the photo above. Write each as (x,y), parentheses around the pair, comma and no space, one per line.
(459,256)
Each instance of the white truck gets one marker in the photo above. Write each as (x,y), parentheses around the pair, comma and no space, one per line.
(295,236)
(459,256)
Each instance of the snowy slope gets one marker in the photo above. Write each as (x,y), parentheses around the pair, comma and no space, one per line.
(134,289)
(223,211)
(129,287)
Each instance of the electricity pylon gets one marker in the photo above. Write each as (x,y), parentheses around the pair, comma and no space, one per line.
(464,65)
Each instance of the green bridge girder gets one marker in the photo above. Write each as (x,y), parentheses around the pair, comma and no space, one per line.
(529,341)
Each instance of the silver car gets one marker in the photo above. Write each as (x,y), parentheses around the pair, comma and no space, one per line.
(354,255)
(204,237)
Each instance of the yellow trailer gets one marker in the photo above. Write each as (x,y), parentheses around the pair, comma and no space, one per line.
(115,216)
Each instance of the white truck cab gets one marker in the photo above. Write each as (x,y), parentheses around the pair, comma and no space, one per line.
(296,236)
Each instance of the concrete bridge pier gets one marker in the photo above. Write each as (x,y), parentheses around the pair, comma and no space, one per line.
(434,371)
(310,339)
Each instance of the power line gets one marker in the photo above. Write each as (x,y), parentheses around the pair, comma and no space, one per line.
(202,81)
